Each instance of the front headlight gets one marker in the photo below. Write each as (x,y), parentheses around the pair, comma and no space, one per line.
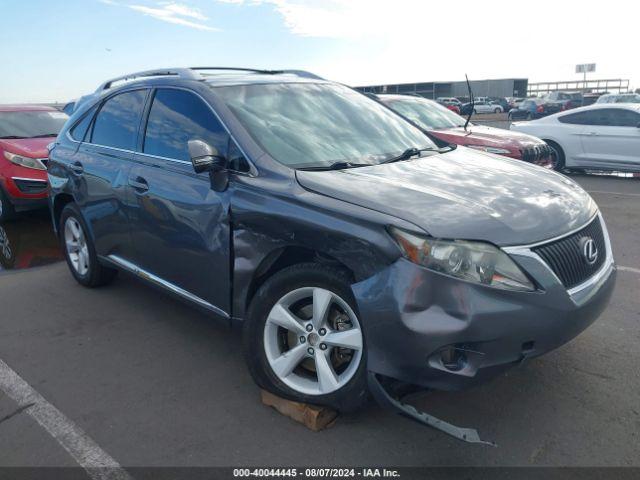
(472,261)
(24,161)
(499,151)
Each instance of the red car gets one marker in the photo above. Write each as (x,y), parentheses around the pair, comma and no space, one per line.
(445,125)
(25,132)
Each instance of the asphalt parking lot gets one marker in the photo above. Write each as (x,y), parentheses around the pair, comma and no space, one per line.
(153,382)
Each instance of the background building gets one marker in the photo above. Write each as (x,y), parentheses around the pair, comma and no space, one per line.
(504,87)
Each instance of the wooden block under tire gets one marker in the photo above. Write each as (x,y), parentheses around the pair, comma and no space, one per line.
(311,416)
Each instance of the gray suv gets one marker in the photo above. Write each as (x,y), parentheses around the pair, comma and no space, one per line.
(354,250)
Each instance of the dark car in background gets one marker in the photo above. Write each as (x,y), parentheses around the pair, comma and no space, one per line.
(567,100)
(25,132)
(533,108)
(450,128)
(348,245)
(503,102)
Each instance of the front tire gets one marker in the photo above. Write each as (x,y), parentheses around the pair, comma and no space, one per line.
(7,212)
(303,340)
(557,156)
(80,251)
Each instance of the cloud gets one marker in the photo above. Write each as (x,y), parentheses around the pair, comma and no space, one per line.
(176,13)
(338,18)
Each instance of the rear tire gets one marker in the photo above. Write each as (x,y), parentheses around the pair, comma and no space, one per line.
(80,251)
(497,110)
(7,212)
(286,319)
(557,156)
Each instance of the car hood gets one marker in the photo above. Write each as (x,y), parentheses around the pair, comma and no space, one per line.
(29,147)
(464,194)
(488,136)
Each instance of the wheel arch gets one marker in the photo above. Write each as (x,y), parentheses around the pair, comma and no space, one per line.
(283,257)
(58,203)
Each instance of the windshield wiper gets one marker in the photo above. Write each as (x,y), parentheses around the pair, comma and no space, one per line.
(412,152)
(11,137)
(336,166)
(46,135)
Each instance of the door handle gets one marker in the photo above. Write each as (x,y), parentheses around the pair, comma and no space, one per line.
(591,134)
(139,184)
(77,168)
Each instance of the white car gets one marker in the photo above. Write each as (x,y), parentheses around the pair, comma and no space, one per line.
(601,136)
(619,98)
(483,106)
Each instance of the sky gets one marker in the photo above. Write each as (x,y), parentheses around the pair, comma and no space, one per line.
(57,50)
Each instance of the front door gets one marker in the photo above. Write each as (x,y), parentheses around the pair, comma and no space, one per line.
(180,225)
(612,139)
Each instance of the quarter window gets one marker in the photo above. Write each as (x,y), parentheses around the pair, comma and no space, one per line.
(79,131)
(177,116)
(117,122)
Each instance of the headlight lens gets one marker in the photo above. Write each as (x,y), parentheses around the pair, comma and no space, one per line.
(24,161)
(499,151)
(472,261)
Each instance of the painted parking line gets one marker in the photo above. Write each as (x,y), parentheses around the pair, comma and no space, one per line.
(629,269)
(97,463)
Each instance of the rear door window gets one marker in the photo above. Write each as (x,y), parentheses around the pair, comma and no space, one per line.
(605,117)
(116,124)
(177,116)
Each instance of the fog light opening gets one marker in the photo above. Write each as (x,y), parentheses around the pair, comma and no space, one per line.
(453,359)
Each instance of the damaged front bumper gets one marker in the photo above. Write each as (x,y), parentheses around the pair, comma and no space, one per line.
(438,332)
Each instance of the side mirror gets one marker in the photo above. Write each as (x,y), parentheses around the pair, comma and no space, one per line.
(204,157)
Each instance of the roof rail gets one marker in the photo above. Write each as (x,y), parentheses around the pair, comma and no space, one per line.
(302,73)
(186,73)
(236,69)
(299,73)
(193,73)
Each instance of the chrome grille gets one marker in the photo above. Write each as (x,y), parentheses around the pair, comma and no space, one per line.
(566,258)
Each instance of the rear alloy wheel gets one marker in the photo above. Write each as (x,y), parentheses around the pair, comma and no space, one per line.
(303,339)
(80,252)
(76,243)
(497,110)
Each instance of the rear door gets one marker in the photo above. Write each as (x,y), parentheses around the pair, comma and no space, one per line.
(612,138)
(180,225)
(100,169)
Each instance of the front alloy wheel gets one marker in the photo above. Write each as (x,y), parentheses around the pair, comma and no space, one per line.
(313,341)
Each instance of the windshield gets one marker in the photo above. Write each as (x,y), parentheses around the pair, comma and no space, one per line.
(427,114)
(29,124)
(317,125)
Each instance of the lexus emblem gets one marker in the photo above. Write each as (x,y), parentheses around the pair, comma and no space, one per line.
(589,250)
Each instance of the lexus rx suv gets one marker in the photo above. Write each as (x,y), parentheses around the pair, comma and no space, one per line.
(348,245)
(25,132)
